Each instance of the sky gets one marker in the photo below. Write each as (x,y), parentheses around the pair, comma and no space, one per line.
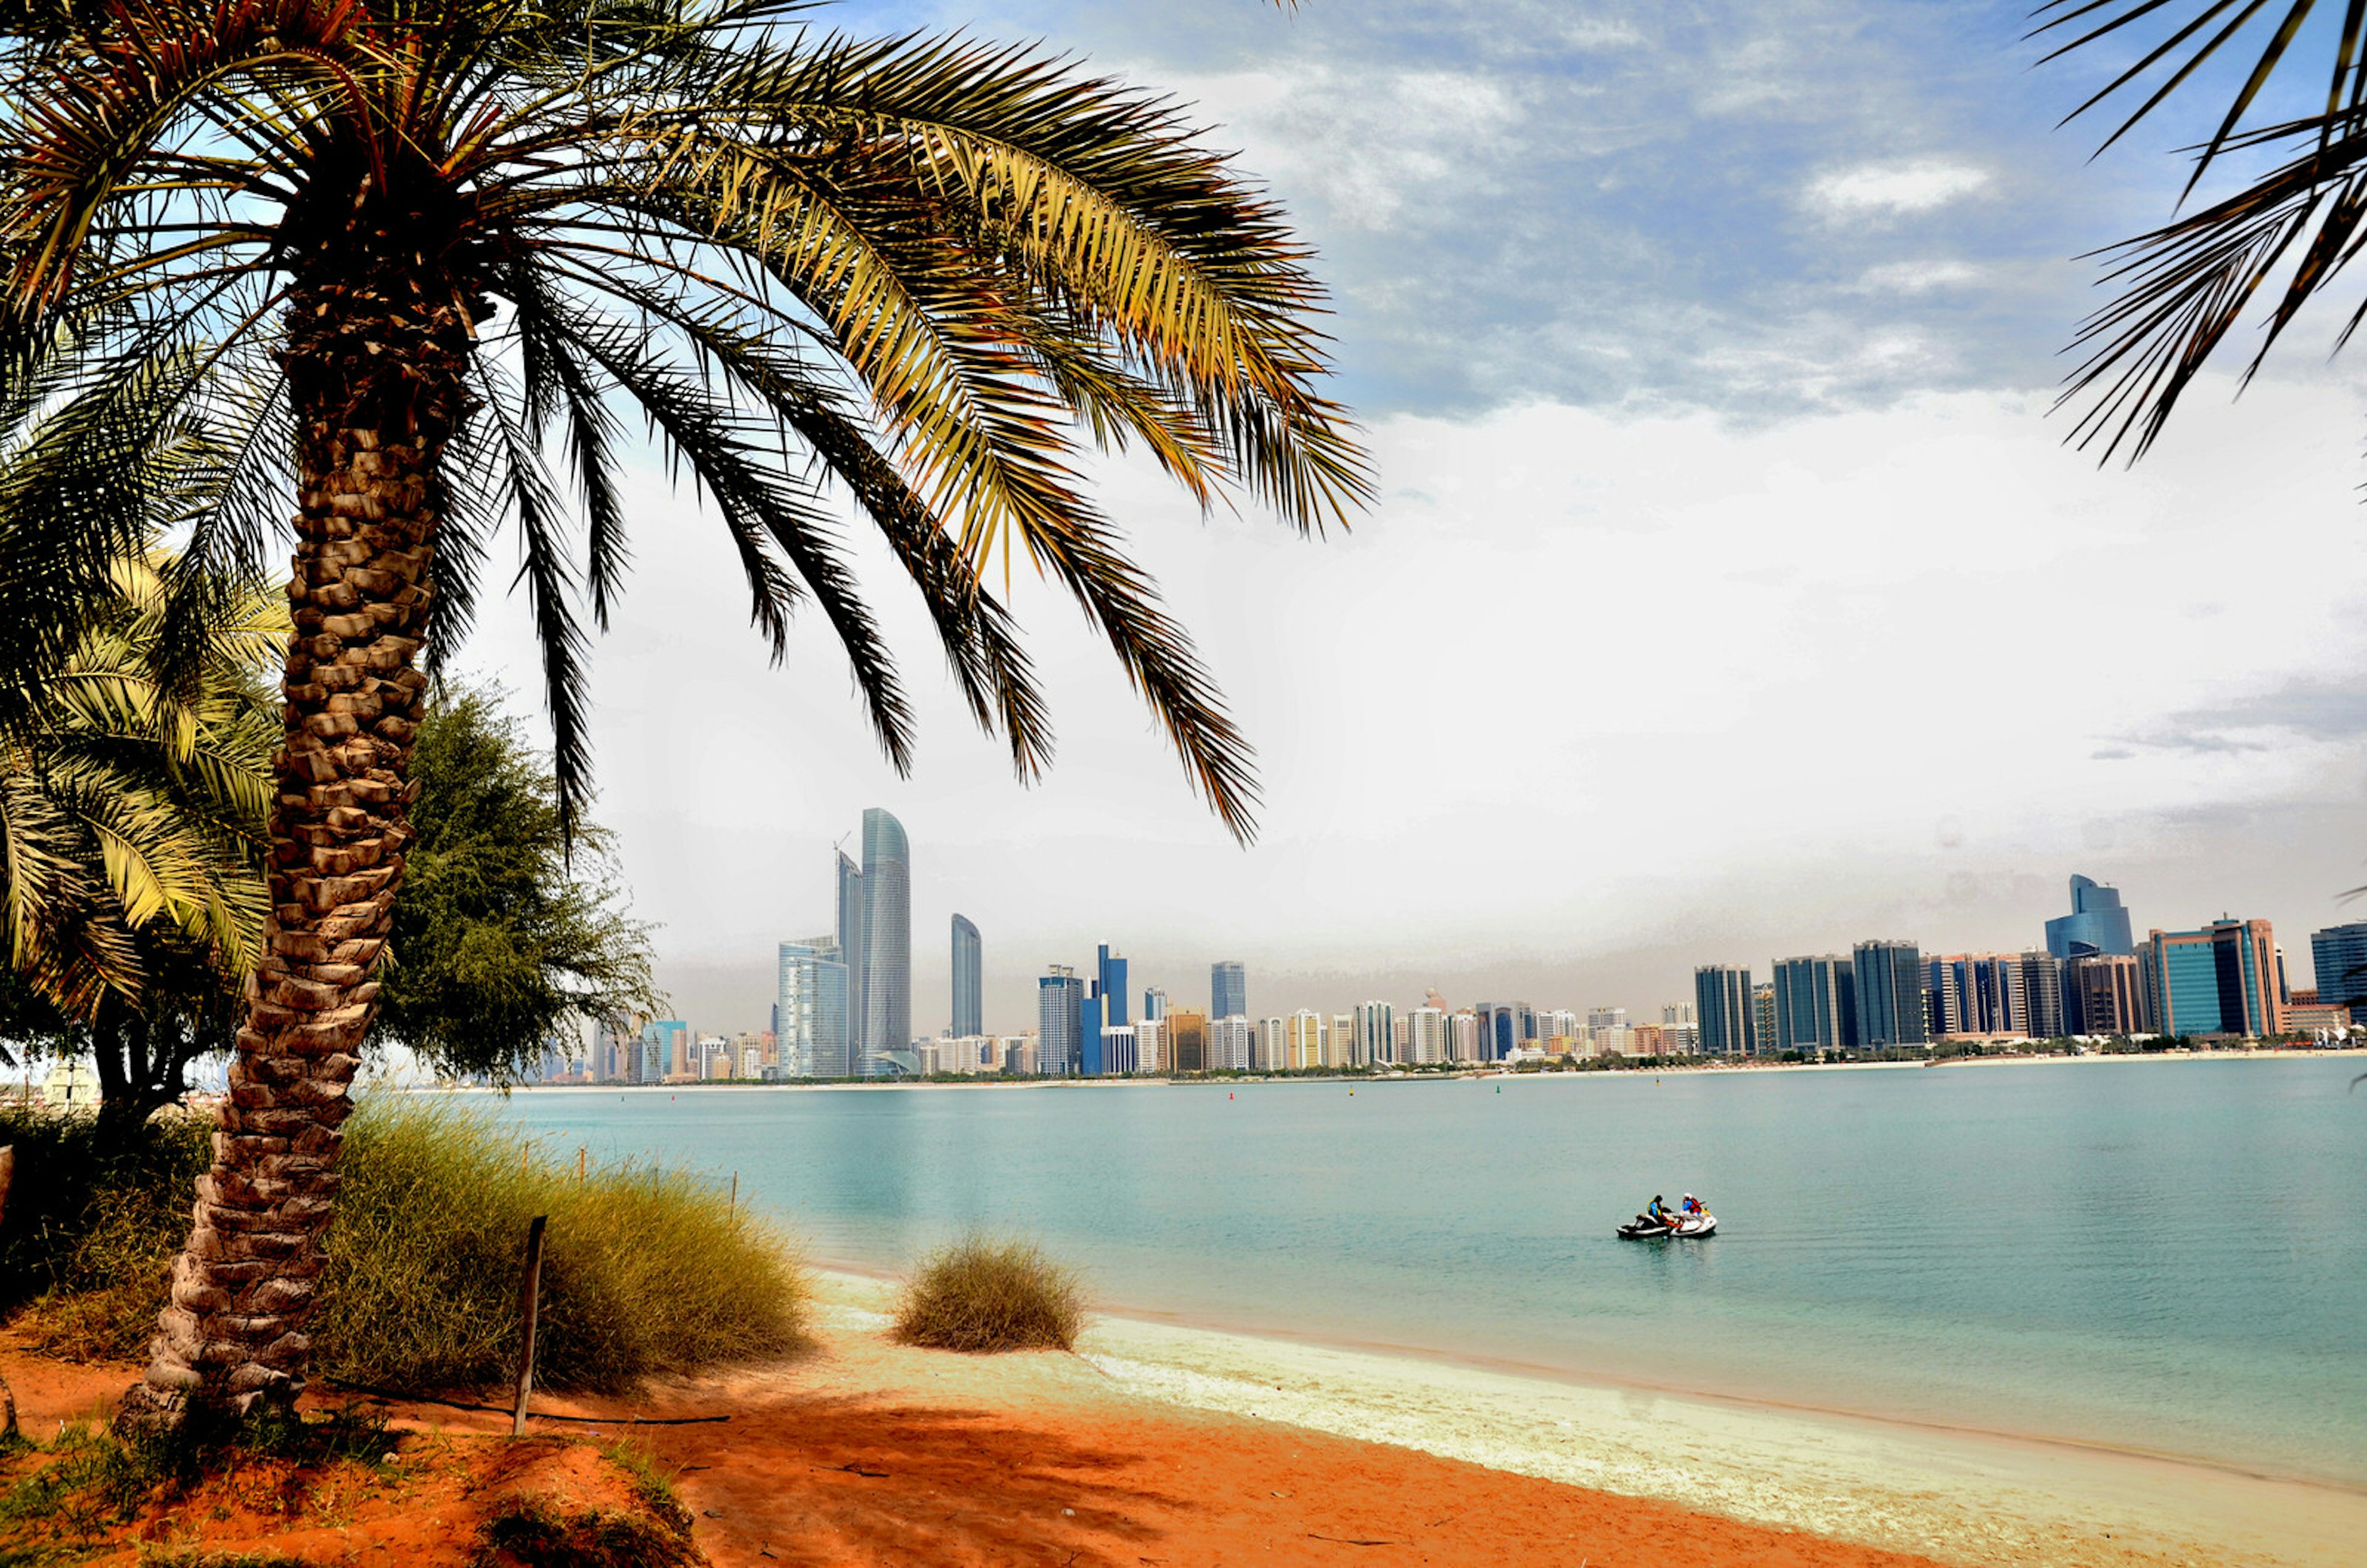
(1729,593)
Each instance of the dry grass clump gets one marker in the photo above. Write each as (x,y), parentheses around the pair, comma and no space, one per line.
(644,1271)
(982,1293)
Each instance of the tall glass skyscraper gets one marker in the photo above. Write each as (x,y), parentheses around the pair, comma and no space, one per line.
(1109,980)
(809,1012)
(2338,956)
(969,1002)
(1889,978)
(1059,1022)
(887,942)
(849,906)
(1228,991)
(1816,1004)
(1722,1004)
(2096,924)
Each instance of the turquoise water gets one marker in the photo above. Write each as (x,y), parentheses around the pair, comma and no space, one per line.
(2168,1256)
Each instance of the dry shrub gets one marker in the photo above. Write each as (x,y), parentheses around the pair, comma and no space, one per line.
(983,1294)
(644,1271)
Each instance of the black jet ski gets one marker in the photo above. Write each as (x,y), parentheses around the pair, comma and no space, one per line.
(1687,1228)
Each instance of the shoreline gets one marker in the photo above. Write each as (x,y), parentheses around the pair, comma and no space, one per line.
(719,1086)
(1967,1495)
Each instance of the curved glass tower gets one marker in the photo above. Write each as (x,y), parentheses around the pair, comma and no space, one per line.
(970,1010)
(2097,923)
(887,966)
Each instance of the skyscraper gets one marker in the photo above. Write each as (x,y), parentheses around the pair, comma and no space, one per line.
(2105,994)
(1977,995)
(1722,1001)
(810,1009)
(1154,1004)
(1889,977)
(969,1005)
(1059,1022)
(1763,1033)
(887,942)
(2339,954)
(1229,991)
(1375,1037)
(1816,1004)
(2221,979)
(1109,983)
(850,953)
(1188,1042)
(2042,990)
(2096,924)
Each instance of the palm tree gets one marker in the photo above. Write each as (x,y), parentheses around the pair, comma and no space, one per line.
(131,840)
(398,250)
(2282,238)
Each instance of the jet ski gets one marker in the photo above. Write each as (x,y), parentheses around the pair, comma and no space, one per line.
(1688,1228)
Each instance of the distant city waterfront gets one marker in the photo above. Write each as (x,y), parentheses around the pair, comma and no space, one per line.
(842,1007)
(2162,1256)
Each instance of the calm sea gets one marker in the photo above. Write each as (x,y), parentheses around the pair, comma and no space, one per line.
(2170,1256)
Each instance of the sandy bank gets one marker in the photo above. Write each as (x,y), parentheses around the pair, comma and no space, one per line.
(1960,1496)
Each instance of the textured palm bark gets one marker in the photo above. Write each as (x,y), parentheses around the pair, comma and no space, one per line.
(374,380)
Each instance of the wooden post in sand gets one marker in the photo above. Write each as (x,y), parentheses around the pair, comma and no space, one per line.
(529,1305)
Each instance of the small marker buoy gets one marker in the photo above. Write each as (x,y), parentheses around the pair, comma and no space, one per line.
(1228,1097)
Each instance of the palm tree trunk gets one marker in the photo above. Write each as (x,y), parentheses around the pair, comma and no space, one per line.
(374,369)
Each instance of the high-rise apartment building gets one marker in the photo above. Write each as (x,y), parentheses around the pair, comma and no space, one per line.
(1229,991)
(1427,1041)
(1059,1023)
(887,961)
(1187,1041)
(1464,1034)
(1232,1043)
(1375,1035)
(2042,991)
(1154,1003)
(2104,994)
(2097,923)
(1500,1028)
(1677,1012)
(969,981)
(1303,1043)
(2339,954)
(1340,1041)
(1598,1018)
(1109,984)
(810,1009)
(1722,1000)
(1977,995)
(1763,1016)
(1816,1004)
(1089,1033)
(2222,979)
(1888,980)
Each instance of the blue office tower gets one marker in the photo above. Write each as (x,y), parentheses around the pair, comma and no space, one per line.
(1109,980)
(1088,1037)
(2338,955)
(2097,923)
(1228,991)
(969,1007)
(1060,1020)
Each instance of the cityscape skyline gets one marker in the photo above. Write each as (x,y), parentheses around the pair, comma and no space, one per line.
(2089,975)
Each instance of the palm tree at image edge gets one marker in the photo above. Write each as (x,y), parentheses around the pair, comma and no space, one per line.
(395,254)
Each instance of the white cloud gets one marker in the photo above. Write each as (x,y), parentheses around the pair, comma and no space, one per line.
(1893,189)
(1918,277)
(1699,674)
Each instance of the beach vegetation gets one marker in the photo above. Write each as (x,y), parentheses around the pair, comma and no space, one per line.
(421,270)
(983,1294)
(531,1533)
(645,1271)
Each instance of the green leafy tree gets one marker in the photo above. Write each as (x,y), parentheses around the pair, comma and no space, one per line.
(2279,242)
(409,254)
(504,933)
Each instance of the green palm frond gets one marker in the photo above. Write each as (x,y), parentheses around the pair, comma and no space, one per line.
(933,273)
(2279,243)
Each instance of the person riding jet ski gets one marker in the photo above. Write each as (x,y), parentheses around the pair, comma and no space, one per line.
(1657,1214)
(1693,1206)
